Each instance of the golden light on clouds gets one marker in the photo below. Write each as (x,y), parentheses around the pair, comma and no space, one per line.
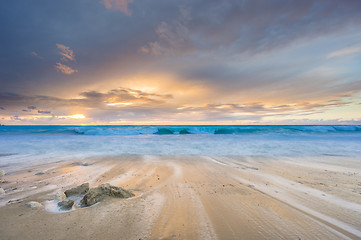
(67,55)
(120,103)
(64,68)
(186,64)
(183,92)
(77,116)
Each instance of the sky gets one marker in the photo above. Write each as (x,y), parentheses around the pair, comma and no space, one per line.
(180,62)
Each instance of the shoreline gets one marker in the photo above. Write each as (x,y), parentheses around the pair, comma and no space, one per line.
(191,197)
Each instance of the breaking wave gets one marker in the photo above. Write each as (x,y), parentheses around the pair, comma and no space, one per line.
(237,130)
(181,130)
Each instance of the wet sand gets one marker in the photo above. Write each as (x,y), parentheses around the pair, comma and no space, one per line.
(190,197)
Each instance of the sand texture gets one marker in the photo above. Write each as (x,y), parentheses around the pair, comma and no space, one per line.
(190,197)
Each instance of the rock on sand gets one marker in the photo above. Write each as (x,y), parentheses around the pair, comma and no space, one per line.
(82,189)
(60,196)
(2,191)
(97,194)
(66,205)
(34,205)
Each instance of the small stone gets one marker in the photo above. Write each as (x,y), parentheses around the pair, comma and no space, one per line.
(82,189)
(84,164)
(34,205)
(66,205)
(39,173)
(2,191)
(60,196)
(12,201)
(2,173)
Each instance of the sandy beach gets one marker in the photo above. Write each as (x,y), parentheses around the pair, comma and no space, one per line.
(184,120)
(190,197)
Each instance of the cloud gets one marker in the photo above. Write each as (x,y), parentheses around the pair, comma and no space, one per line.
(345,51)
(66,53)
(134,105)
(173,37)
(229,54)
(88,99)
(64,68)
(124,96)
(249,27)
(35,54)
(16,118)
(250,110)
(40,111)
(121,5)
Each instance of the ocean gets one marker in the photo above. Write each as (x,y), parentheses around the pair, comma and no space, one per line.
(28,145)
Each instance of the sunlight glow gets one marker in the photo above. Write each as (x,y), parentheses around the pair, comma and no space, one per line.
(120,103)
(77,116)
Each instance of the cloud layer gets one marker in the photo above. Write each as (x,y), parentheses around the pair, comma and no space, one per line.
(190,61)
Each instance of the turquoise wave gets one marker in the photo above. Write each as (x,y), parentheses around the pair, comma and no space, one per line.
(182,130)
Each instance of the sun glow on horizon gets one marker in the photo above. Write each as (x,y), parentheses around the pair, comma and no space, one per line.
(120,103)
(77,116)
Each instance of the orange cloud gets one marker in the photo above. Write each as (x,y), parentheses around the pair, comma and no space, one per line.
(121,5)
(64,68)
(66,53)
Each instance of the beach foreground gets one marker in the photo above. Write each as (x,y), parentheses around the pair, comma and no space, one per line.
(190,197)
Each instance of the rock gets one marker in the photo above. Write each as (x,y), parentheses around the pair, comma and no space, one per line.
(2,191)
(39,173)
(60,196)
(2,173)
(82,164)
(97,194)
(66,205)
(82,189)
(12,201)
(34,205)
